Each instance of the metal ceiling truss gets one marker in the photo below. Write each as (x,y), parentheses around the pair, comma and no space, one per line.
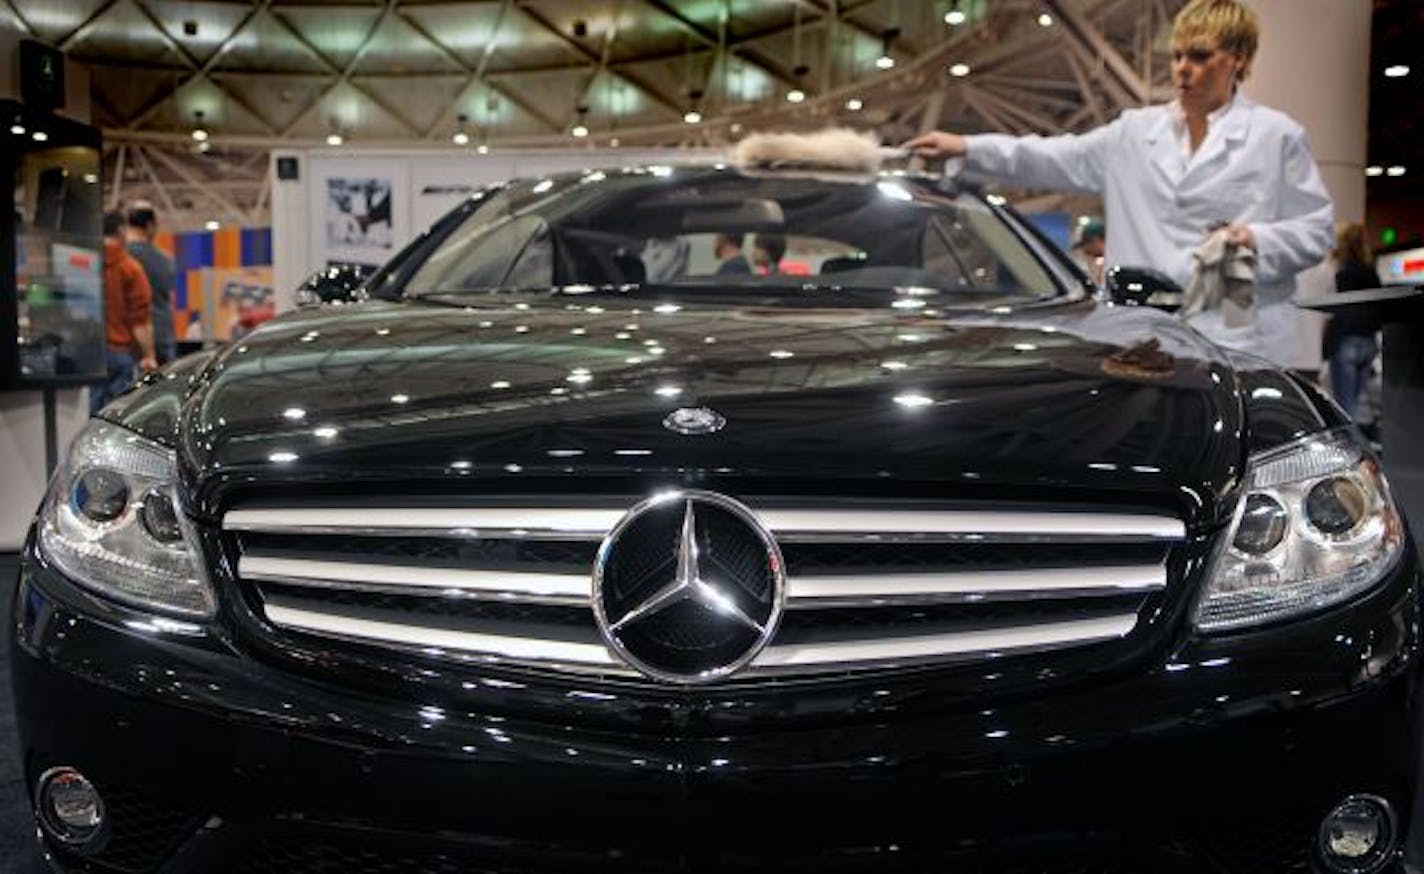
(1098,58)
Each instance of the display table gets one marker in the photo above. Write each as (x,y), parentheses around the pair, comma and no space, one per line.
(1401,310)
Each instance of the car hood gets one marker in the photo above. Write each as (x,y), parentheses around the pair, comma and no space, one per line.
(1073,402)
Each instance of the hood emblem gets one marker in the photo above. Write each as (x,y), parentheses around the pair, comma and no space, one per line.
(694,420)
(688,587)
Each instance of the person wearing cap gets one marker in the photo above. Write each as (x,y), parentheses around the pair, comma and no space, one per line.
(158,267)
(1171,175)
(1088,252)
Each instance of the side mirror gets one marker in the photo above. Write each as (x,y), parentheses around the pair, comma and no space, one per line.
(337,284)
(1142,286)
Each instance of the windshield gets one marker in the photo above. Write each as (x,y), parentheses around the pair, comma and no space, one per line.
(707,228)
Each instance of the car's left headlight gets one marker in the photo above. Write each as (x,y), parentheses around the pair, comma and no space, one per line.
(112,523)
(1315,526)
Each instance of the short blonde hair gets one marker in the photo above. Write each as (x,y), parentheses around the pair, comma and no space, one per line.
(1231,23)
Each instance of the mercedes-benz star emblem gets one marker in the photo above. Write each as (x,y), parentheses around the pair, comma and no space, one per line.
(688,587)
(694,420)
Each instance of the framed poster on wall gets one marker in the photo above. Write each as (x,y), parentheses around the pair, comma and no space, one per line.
(361,207)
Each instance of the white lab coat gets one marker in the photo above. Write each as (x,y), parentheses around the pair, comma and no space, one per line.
(1254,168)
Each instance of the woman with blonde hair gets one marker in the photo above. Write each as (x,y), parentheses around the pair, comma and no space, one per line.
(1172,174)
(1349,343)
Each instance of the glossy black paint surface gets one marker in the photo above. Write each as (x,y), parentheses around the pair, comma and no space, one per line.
(1212,735)
(522,389)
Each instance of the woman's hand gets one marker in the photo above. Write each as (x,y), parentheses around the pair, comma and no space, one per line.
(938,144)
(1240,235)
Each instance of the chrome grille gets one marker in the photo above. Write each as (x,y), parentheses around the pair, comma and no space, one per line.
(867,586)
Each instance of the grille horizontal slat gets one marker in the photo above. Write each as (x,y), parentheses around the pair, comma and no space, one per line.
(788,525)
(867,586)
(359,623)
(533,586)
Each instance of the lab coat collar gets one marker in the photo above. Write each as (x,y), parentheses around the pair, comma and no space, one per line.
(1227,126)
(1227,130)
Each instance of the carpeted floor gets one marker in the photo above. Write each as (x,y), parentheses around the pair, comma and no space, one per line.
(17,830)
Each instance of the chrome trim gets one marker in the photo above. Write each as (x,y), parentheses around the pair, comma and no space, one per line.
(787,525)
(891,588)
(464,521)
(850,653)
(572,589)
(365,624)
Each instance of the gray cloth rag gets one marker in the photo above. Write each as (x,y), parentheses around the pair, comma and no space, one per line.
(1224,279)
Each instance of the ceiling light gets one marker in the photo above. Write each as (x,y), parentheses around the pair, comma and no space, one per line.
(579,130)
(1374,170)
(482,149)
(795,95)
(200,133)
(855,104)
(1397,71)
(955,17)
(782,354)
(212,225)
(460,138)
(17,129)
(1045,20)
(692,116)
(1396,170)
(334,139)
(959,70)
(39,136)
(886,60)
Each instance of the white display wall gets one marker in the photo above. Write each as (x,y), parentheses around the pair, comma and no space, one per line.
(363,206)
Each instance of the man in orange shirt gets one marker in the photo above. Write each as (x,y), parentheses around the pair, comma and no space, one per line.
(128,308)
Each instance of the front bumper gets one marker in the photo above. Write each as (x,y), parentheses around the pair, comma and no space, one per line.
(1222,756)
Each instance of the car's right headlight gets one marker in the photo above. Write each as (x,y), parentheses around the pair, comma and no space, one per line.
(112,523)
(1315,526)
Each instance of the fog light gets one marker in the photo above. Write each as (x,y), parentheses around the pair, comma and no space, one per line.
(69,806)
(1358,837)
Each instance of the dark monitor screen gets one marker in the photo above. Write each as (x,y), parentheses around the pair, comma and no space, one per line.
(59,263)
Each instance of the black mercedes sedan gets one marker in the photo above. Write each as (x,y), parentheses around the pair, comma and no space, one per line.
(721,518)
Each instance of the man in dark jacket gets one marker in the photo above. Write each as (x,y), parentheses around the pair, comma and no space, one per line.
(158,267)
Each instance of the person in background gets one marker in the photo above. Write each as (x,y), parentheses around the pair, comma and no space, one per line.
(1349,344)
(128,316)
(1173,175)
(767,252)
(1089,249)
(158,267)
(728,249)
